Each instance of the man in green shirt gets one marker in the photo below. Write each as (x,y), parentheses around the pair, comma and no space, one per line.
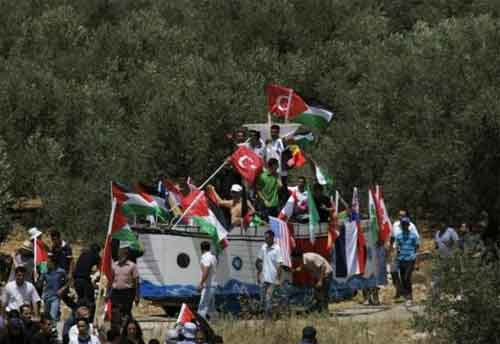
(268,185)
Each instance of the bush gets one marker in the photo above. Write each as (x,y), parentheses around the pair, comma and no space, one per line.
(466,308)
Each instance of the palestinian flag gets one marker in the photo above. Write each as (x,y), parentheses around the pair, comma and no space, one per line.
(134,204)
(373,219)
(303,139)
(41,255)
(208,216)
(298,159)
(315,116)
(313,216)
(185,315)
(321,176)
(119,229)
(162,202)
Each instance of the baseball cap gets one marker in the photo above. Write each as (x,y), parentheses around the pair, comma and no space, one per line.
(236,188)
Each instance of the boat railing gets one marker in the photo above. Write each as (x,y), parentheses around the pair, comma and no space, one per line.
(299,229)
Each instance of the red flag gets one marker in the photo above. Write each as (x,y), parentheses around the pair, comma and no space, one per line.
(197,202)
(384,222)
(333,231)
(42,255)
(284,102)
(247,163)
(185,315)
(298,158)
(119,221)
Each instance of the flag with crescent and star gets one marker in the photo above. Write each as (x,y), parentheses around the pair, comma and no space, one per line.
(247,163)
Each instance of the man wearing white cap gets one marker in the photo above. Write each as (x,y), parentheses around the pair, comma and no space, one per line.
(234,205)
(124,285)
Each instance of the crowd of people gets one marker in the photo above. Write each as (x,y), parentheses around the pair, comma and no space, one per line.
(37,292)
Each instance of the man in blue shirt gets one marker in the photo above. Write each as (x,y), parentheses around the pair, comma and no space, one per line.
(55,283)
(407,243)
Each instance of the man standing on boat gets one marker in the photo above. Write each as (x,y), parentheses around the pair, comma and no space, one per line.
(208,283)
(234,205)
(269,271)
(268,185)
(275,147)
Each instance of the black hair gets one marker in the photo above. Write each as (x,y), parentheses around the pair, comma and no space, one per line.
(20,268)
(272,162)
(55,234)
(95,247)
(154,341)
(297,253)
(26,305)
(256,132)
(82,319)
(205,246)
(275,126)
(303,178)
(125,328)
(270,232)
(112,334)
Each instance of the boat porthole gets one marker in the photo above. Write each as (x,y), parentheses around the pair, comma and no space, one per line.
(237,263)
(183,260)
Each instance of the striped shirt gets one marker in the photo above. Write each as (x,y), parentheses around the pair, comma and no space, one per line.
(407,244)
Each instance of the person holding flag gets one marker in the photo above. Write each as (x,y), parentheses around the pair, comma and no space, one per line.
(268,185)
(235,205)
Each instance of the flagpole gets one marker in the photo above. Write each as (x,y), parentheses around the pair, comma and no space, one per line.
(100,290)
(35,273)
(289,104)
(191,205)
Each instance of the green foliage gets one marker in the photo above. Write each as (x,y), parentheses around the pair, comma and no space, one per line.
(6,178)
(467,307)
(117,90)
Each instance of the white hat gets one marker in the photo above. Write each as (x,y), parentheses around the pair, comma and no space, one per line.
(34,233)
(125,244)
(27,246)
(236,188)
(189,330)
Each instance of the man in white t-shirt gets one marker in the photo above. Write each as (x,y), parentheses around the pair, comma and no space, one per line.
(394,268)
(208,283)
(19,292)
(269,265)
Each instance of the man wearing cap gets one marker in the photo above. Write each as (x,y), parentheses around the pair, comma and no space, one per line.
(234,205)
(124,285)
(19,292)
(394,269)
(407,243)
(269,265)
(208,283)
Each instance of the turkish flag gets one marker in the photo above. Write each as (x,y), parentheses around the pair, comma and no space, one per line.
(284,102)
(247,163)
